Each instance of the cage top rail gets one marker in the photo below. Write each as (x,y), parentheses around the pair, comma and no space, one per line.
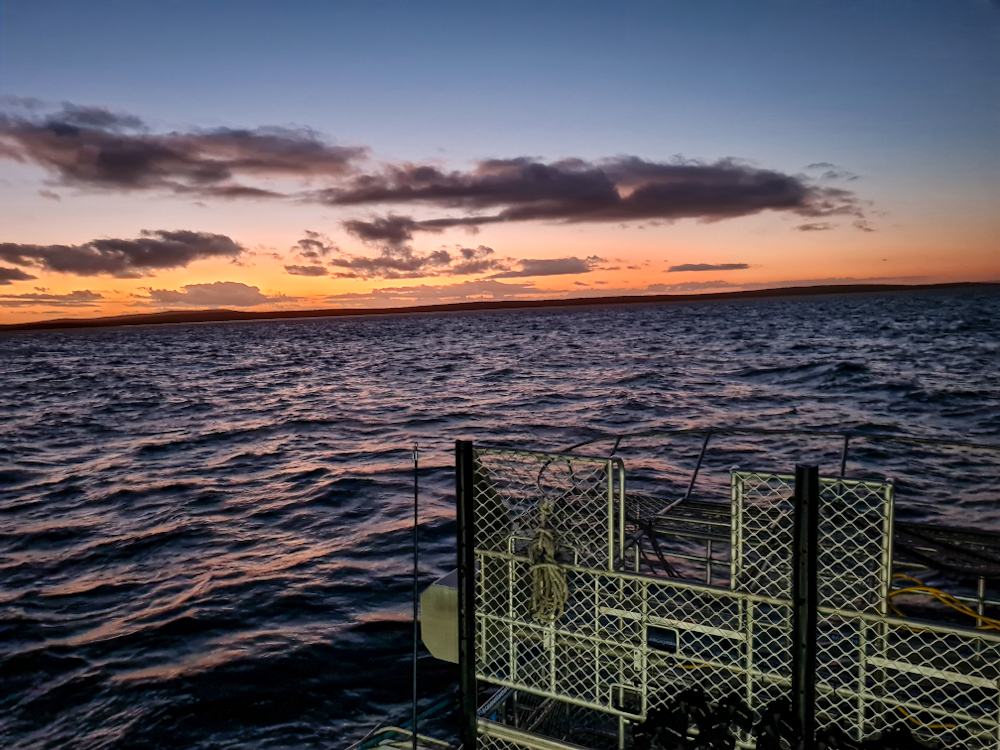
(846,435)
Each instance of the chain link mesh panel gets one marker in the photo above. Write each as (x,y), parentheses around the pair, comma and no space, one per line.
(622,632)
(855,544)
(762,518)
(578,499)
(944,683)
(498,737)
(487,742)
(854,539)
(652,637)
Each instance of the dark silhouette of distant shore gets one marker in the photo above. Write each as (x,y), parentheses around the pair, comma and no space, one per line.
(210,316)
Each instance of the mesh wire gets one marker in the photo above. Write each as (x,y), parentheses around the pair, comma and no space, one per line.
(580,498)
(854,544)
(854,539)
(762,533)
(548,719)
(654,636)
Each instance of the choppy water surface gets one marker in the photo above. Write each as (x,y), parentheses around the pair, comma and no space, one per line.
(205,529)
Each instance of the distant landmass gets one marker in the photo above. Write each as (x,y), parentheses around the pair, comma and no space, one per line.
(211,316)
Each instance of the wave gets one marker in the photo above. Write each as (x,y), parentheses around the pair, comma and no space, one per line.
(218,554)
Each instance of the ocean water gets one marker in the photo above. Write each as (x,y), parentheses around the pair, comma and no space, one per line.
(205,530)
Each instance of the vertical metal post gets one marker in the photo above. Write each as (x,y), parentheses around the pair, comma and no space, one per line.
(843,456)
(736,531)
(708,573)
(620,465)
(888,535)
(416,574)
(862,676)
(697,466)
(609,467)
(464,506)
(805,600)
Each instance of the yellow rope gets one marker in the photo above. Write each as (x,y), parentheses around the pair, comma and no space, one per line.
(549,591)
(987,623)
(921,724)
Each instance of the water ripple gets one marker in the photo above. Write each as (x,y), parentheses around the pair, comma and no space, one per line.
(205,529)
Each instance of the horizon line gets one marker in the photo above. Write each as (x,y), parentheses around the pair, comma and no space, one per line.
(222,315)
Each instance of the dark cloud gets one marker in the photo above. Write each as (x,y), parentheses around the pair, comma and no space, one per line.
(93,147)
(548,267)
(390,230)
(401,261)
(573,190)
(838,174)
(50,195)
(863,226)
(820,226)
(8,275)
(81,297)
(314,246)
(708,267)
(393,262)
(476,260)
(396,258)
(216,294)
(98,117)
(125,259)
(307,270)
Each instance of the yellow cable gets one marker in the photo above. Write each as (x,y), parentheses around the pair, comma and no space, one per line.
(921,724)
(987,623)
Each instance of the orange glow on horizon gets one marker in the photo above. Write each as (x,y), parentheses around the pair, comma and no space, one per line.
(632,260)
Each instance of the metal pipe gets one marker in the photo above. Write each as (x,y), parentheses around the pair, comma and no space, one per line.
(761,431)
(416,573)
(805,600)
(465,513)
(981,599)
(843,456)
(708,575)
(680,583)
(697,466)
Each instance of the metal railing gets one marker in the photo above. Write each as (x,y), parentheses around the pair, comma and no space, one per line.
(628,640)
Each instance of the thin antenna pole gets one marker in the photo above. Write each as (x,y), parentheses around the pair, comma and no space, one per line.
(416,569)
(697,466)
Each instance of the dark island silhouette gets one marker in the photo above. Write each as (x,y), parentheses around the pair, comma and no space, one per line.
(221,315)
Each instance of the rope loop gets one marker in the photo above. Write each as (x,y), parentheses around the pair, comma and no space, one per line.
(549,592)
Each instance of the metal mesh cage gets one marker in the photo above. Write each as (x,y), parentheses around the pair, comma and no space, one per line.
(876,672)
(855,539)
(626,642)
(582,500)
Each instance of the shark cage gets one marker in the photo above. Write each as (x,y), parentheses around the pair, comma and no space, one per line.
(595,614)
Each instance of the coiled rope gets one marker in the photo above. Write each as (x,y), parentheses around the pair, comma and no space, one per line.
(548,580)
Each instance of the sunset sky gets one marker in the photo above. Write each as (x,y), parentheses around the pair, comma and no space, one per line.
(279,155)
